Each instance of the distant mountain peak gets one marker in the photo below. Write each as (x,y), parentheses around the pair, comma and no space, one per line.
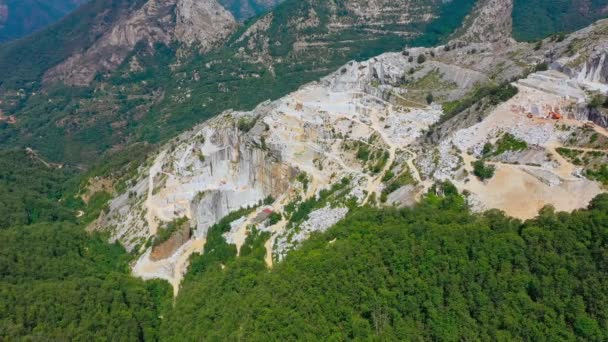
(19,18)
(202,23)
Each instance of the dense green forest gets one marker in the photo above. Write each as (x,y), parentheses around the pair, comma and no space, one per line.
(59,283)
(30,191)
(432,272)
(536,19)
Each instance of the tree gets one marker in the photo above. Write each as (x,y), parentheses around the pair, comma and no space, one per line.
(483,171)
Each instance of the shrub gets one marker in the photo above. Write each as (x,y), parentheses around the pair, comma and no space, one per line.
(483,171)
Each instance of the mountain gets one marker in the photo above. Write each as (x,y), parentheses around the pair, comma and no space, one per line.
(19,18)
(128,85)
(120,76)
(343,183)
(24,62)
(185,22)
(502,121)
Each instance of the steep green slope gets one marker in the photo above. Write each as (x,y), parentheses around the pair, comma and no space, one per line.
(536,19)
(30,191)
(298,42)
(23,62)
(19,18)
(58,282)
(435,272)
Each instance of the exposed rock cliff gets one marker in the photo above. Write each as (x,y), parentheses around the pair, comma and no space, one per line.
(490,22)
(360,136)
(204,23)
(595,70)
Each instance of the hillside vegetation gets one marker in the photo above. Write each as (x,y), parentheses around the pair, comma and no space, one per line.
(76,125)
(536,19)
(30,191)
(435,272)
(59,283)
(245,9)
(23,62)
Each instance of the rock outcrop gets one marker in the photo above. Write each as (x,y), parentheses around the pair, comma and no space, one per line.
(490,22)
(595,70)
(361,136)
(204,23)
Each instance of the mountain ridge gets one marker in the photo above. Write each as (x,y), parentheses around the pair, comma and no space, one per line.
(340,183)
(360,136)
(158,83)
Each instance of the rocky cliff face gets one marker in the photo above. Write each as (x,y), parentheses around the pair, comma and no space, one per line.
(360,136)
(205,177)
(205,23)
(595,70)
(201,23)
(490,22)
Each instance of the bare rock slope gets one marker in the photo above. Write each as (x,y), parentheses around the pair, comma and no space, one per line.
(370,134)
(203,23)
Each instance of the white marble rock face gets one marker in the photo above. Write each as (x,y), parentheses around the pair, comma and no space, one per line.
(217,168)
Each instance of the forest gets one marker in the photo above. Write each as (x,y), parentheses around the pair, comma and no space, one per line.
(58,282)
(30,191)
(436,271)
(433,272)
(537,19)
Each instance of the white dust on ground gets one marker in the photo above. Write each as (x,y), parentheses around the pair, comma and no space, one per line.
(521,190)
(521,195)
